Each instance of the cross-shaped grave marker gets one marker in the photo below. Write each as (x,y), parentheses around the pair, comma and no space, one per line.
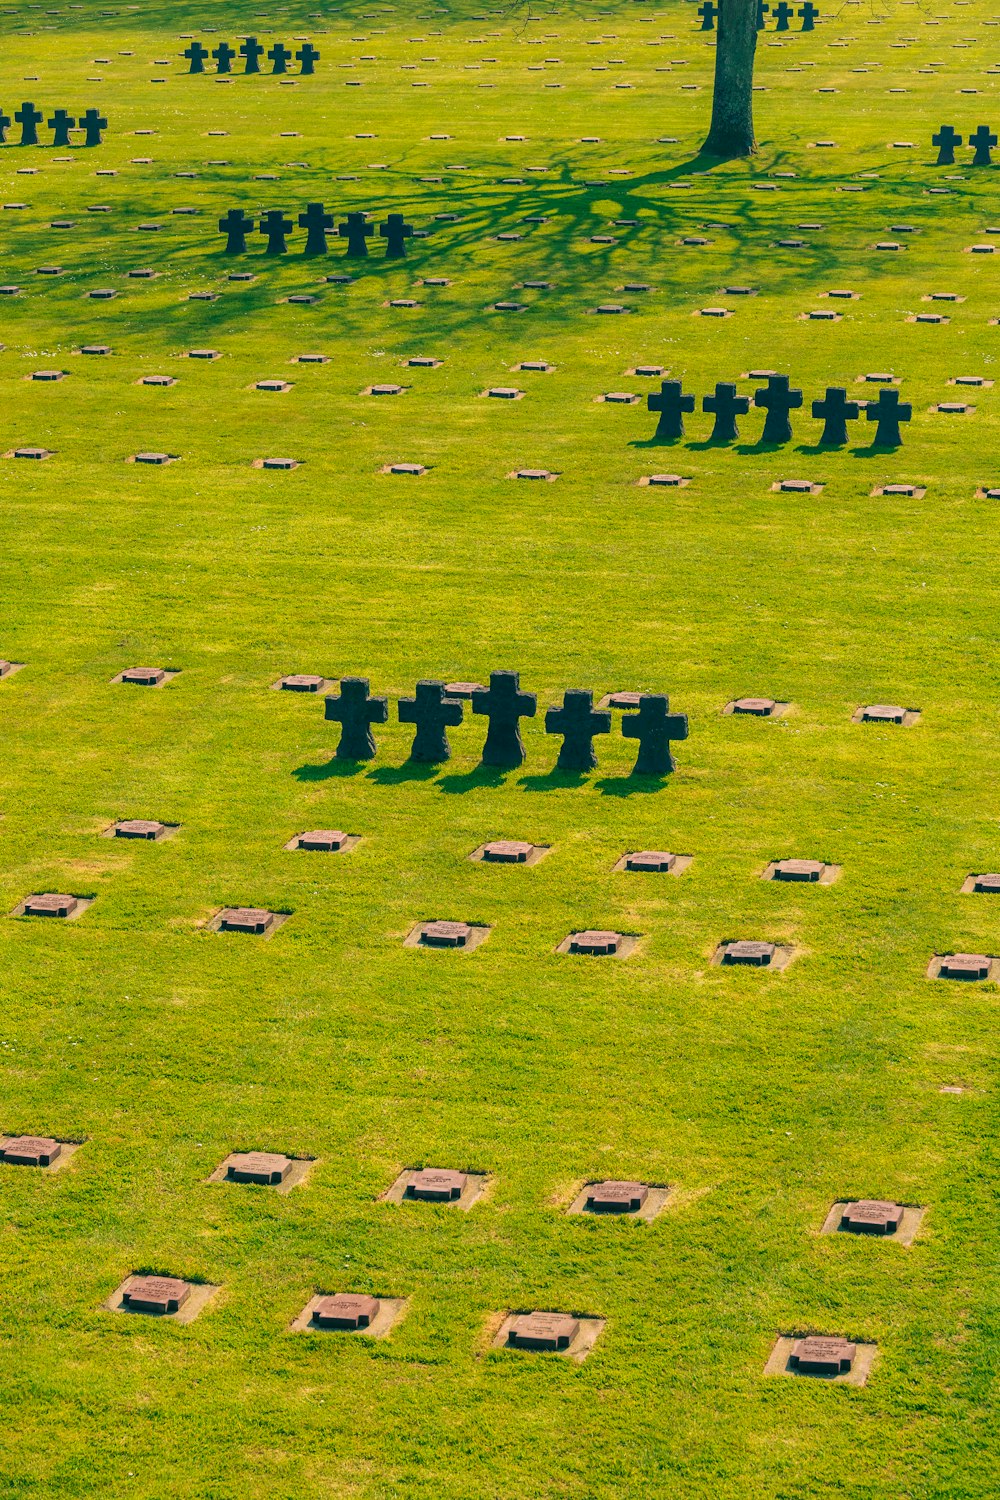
(778,401)
(762,11)
(196,54)
(708,13)
(808,13)
(835,411)
(984,140)
(356,712)
(308,57)
(395,231)
(315,221)
(432,711)
(279,56)
(236,226)
(61,123)
(654,726)
(888,411)
(946,139)
(252,51)
(28,117)
(93,123)
(504,704)
(276,227)
(671,404)
(4,127)
(783,14)
(727,406)
(356,232)
(224,55)
(577,721)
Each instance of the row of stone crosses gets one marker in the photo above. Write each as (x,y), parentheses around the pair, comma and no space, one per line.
(437,706)
(981,140)
(779,401)
(782,13)
(236,225)
(92,122)
(251,52)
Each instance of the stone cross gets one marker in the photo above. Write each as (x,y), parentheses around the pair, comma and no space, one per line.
(395,231)
(308,57)
(835,411)
(671,404)
(28,117)
(93,123)
(946,139)
(61,123)
(504,704)
(984,140)
(782,14)
(4,127)
(315,221)
(577,722)
(654,726)
(432,712)
(762,11)
(727,406)
(196,54)
(279,56)
(236,226)
(253,52)
(708,13)
(778,401)
(888,411)
(355,231)
(276,227)
(356,711)
(224,55)
(809,12)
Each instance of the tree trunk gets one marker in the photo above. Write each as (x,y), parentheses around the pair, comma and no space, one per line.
(732,132)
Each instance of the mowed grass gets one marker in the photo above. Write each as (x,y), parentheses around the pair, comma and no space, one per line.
(760,1098)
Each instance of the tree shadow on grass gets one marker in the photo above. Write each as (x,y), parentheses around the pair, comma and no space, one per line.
(411,770)
(468,781)
(329,769)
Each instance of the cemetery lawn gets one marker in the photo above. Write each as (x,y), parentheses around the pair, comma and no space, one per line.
(759,1098)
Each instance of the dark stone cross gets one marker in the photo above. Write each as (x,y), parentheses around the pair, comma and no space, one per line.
(654,726)
(279,56)
(308,57)
(196,55)
(355,231)
(778,401)
(93,123)
(224,55)
(946,140)
(782,14)
(28,117)
(577,722)
(4,127)
(984,140)
(504,704)
(888,411)
(708,13)
(61,123)
(727,406)
(432,712)
(356,711)
(395,231)
(315,221)
(276,227)
(808,13)
(671,404)
(252,50)
(835,411)
(762,11)
(236,226)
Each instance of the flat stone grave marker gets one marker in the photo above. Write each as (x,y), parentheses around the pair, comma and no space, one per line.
(276,463)
(263,1169)
(157,380)
(463,937)
(463,689)
(509,852)
(557,1333)
(384,389)
(154,677)
(302,682)
(595,942)
(653,862)
(615,1198)
(885,713)
(969,967)
(8,668)
(324,841)
(34,453)
(503,393)
(437,1185)
(911,491)
(753,954)
(253,920)
(757,708)
(46,1153)
(802,871)
(161,1297)
(876,1218)
(988,884)
(51,904)
(834,1359)
(350,1312)
(413,470)
(424,362)
(146,829)
(155,459)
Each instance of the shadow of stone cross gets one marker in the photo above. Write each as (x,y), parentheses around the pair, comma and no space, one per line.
(654,726)
(61,123)
(946,139)
(708,13)
(93,123)
(777,401)
(888,411)
(276,227)
(671,404)
(504,704)
(279,56)
(577,721)
(782,14)
(356,232)
(356,712)
(395,231)
(308,57)
(252,51)
(432,712)
(809,14)
(224,55)
(4,127)
(984,140)
(29,118)
(236,226)
(315,221)
(196,55)
(835,411)
(727,406)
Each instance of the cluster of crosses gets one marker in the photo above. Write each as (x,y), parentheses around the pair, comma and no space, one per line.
(982,142)
(503,703)
(62,122)
(782,13)
(251,51)
(355,229)
(779,401)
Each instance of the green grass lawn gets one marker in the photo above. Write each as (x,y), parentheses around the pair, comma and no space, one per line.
(760,1098)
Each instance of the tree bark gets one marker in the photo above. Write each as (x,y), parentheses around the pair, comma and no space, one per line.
(732,132)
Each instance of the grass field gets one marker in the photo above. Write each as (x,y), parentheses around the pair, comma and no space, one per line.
(760,1098)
